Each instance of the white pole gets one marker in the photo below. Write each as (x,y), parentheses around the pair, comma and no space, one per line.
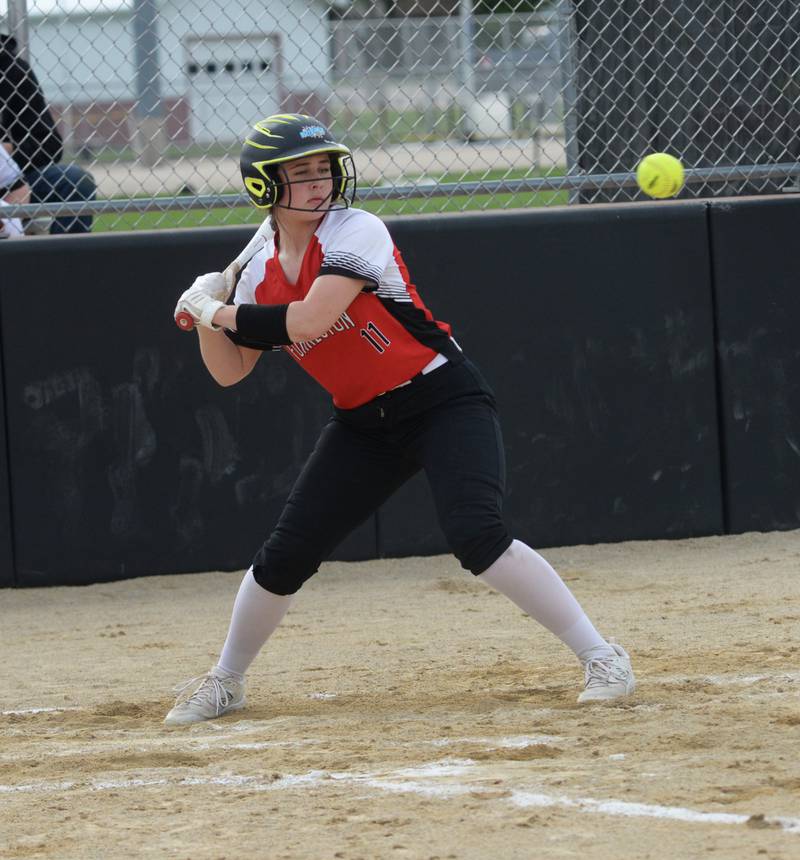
(18,26)
(149,135)
(467,94)
(568,46)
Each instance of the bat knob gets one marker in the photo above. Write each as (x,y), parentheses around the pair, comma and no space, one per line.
(184,320)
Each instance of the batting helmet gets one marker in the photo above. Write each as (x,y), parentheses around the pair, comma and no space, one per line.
(283,137)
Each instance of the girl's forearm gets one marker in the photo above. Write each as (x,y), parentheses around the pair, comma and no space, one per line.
(222,357)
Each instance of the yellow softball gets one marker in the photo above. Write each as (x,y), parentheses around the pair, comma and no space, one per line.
(660,175)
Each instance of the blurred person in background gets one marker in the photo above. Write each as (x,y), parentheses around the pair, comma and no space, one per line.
(29,134)
(14,191)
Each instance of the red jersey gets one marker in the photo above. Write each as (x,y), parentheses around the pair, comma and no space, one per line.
(385,336)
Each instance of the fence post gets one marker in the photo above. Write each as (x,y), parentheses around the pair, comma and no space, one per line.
(18,26)
(567,43)
(149,136)
(467,66)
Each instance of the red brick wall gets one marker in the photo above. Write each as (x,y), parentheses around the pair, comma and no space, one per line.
(106,123)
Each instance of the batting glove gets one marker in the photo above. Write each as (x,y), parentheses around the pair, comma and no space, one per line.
(200,305)
(215,284)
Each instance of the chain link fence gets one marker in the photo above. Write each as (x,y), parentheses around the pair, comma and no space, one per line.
(448,104)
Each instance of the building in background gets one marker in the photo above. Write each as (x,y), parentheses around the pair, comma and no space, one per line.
(384,72)
(221,65)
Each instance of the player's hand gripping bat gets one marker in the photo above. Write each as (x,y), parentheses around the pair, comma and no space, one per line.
(184,320)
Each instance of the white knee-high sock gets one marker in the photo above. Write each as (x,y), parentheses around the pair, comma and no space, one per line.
(256,614)
(523,576)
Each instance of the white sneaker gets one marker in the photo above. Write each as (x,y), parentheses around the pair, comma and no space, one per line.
(608,677)
(215,694)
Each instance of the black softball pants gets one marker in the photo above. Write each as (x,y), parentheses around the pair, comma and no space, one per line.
(444,423)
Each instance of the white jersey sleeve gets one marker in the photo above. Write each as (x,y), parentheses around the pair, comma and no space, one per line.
(356,245)
(10,172)
(252,275)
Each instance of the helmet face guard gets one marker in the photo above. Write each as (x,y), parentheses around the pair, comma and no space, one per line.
(343,176)
(286,137)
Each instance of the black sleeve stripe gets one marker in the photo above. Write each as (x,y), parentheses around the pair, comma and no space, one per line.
(393,298)
(338,256)
(355,263)
(347,273)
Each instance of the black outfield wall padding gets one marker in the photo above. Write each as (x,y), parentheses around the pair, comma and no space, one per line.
(7,568)
(126,458)
(754,244)
(595,329)
(593,325)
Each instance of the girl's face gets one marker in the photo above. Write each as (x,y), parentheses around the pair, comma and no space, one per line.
(311,186)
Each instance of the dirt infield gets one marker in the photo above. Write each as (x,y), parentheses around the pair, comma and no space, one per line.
(405,711)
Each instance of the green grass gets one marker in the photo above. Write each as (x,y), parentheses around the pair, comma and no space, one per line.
(408,206)
(249,215)
(173,220)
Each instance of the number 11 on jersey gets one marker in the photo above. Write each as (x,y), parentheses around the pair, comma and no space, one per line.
(375,337)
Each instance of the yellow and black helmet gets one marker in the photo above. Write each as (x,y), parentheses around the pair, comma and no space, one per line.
(284,137)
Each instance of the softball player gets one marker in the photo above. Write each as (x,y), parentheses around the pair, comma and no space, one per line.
(331,290)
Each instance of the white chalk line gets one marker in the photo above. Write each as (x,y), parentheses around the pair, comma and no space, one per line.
(517,742)
(724,679)
(731,678)
(648,810)
(26,711)
(145,745)
(411,781)
(186,743)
